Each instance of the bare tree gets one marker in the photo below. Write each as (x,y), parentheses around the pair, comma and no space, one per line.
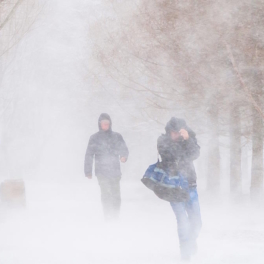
(16,18)
(186,57)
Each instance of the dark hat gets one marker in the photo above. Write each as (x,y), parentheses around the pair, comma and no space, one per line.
(175,124)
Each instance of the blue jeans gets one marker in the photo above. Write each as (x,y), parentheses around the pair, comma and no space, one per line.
(188,221)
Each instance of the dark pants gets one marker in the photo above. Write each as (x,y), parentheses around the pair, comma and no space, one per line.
(189,223)
(110,197)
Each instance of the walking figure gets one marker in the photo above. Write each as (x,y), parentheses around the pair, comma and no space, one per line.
(107,148)
(178,148)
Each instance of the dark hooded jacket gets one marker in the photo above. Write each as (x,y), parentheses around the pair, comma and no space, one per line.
(106,147)
(178,156)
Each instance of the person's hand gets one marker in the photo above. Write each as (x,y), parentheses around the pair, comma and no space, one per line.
(123,159)
(89,176)
(184,133)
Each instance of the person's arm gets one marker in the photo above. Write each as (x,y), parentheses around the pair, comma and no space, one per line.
(192,149)
(88,163)
(160,147)
(164,149)
(123,150)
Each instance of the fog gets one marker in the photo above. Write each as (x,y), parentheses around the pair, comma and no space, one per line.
(54,84)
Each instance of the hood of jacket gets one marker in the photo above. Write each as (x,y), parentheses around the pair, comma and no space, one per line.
(176,124)
(104,116)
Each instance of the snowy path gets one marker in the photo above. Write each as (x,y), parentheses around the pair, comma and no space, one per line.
(63,224)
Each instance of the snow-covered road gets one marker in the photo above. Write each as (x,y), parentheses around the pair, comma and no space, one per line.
(63,224)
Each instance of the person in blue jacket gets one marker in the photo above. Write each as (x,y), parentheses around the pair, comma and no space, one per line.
(178,148)
(107,148)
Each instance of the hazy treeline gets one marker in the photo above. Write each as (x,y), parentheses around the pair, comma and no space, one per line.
(202,60)
(16,19)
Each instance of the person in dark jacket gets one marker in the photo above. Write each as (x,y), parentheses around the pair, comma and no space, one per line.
(107,148)
(178,148)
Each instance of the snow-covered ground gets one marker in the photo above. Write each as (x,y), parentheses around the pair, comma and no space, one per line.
(63,223)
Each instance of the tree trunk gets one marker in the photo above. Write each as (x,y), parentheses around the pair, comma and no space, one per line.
(213,175)
(235,151)
(256,189)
